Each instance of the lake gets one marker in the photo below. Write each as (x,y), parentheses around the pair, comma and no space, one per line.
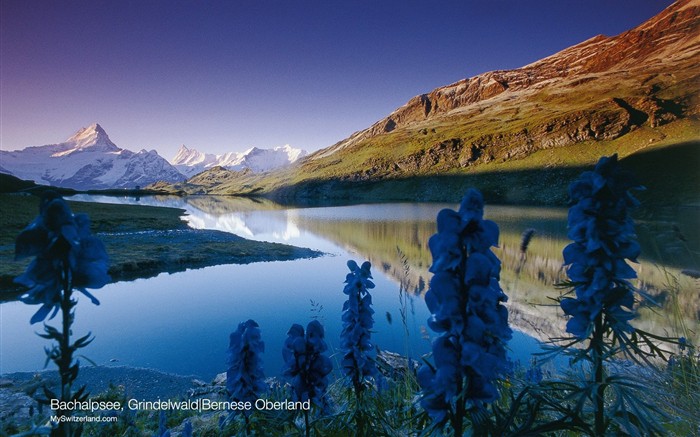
(181,322)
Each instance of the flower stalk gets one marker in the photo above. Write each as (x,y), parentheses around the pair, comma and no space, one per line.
(467,309)
(305,365)
(245,379)
(67,257)
(355,338)
(603,301)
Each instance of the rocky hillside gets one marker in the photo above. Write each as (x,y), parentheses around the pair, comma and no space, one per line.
(648,53)
(619,94)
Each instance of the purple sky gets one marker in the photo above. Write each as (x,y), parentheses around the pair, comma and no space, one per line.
(236,74)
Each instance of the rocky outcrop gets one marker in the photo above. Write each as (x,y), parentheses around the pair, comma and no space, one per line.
(396,366)
(612,119)
(672,33)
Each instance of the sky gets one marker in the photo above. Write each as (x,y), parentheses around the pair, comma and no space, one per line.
(224,76)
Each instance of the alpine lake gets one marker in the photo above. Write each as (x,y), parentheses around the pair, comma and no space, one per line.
(180,323)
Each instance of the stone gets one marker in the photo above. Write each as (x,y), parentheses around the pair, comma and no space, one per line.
(219,379)
(198,383)
(395,366)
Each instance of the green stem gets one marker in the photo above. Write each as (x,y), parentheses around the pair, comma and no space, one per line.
(306,423)
(66,354)
(357,381)
(360,416)
(599,399)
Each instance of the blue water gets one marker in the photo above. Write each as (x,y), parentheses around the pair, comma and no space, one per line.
(181,322)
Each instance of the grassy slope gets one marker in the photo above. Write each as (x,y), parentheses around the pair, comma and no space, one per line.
(512,114)
(664,163)
(665,159)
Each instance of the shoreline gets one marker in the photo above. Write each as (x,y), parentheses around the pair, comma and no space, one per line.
(187,249)
(141,241)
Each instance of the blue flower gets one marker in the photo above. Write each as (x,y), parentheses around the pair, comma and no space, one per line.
(305,365)
(355,338)
(66,255)
(440,383)
(603,237)
(672,364)
(245,379)
(466,305)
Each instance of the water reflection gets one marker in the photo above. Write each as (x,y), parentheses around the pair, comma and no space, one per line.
(395,236)
(185,318)
(528,277)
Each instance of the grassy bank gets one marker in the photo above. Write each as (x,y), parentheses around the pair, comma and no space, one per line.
(142,241)
(667,169)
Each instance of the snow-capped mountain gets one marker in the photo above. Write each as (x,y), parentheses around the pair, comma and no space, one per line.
(191,162)
(88,160)
(192,157)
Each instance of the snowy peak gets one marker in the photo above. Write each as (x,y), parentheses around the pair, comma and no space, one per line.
(189,157)
(260,160)
(181,156)
(90,133)
(292,154)
(91,137)
(88,160)
(191,161)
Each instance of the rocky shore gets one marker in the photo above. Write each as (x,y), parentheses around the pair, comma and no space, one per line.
(19,391)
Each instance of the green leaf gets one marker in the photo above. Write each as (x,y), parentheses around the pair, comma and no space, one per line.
(74,371)
(88,360)
(83,341)
(49,394)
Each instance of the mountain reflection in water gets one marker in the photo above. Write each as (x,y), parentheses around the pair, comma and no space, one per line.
(180,322)
(388,234)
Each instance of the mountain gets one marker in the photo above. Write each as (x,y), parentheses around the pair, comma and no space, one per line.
(190,161)
(88,160)
(187,160)
(631,75)
(519,135)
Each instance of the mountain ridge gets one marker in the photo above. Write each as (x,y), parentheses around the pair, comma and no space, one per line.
(89,159)
(190,162)
(677,24)
(619,94)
